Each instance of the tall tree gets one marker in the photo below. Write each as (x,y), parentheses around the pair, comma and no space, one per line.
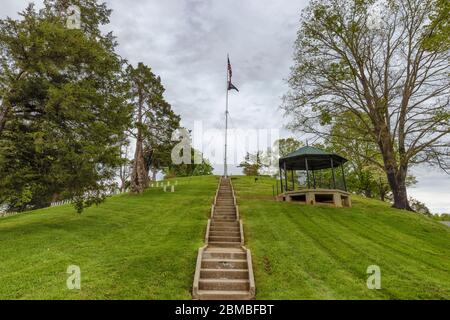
(153,123)
(252,164)
(63,107)
(382,74)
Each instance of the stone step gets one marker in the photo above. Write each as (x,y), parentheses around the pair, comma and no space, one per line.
(224,295)
(214,244)
(225,208)
(225,229)
(223,273)
(216,254)
(227,211)
(218,215)
(224,239)
(224,220)
(223,284)
(225,217)
(224,224)
(214,233)
(224,264)
(231,217)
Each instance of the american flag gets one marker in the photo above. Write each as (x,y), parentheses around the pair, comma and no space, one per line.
(230,74)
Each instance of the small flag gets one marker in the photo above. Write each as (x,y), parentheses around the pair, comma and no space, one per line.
(230,74)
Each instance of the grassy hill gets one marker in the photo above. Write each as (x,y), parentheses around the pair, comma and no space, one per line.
(145,247)
(131,247)
(306,252)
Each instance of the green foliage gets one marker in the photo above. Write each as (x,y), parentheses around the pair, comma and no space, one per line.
(65,105)
(438,37)
(288,145)
(253,163)
(364,170)
(419,207)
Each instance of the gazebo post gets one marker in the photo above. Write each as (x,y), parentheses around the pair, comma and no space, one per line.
(307,171)
(343,176)
(292,176)
(285,177)
(314,178)
(332,169)
(281,180)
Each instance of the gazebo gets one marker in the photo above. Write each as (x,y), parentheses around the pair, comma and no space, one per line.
(314,161)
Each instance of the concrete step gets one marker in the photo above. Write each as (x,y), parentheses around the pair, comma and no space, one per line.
(224,264)
(217,254)
(218,215)
(229,233)
(223,273)
(224,224)
(225,212)
(214,244)
(231,217)
(225,209)
(224,239)
(224,219)
(223,284)
(224,295)
(228,230)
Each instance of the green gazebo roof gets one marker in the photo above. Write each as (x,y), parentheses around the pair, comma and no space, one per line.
(317,159)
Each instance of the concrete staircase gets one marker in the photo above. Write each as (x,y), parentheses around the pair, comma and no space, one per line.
(224,266)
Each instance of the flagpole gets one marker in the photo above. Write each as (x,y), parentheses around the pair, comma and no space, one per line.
(225,167)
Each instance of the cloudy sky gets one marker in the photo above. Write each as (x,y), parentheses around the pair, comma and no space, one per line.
(186,43)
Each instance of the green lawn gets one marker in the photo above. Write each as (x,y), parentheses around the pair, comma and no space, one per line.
(131,247)
(304,252)
(145,247)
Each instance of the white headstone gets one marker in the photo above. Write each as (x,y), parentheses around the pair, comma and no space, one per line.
(173,189)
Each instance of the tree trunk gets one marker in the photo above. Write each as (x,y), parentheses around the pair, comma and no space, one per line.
(139,177)
(396,175)
(400,193)
(397,181)
(3,114)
